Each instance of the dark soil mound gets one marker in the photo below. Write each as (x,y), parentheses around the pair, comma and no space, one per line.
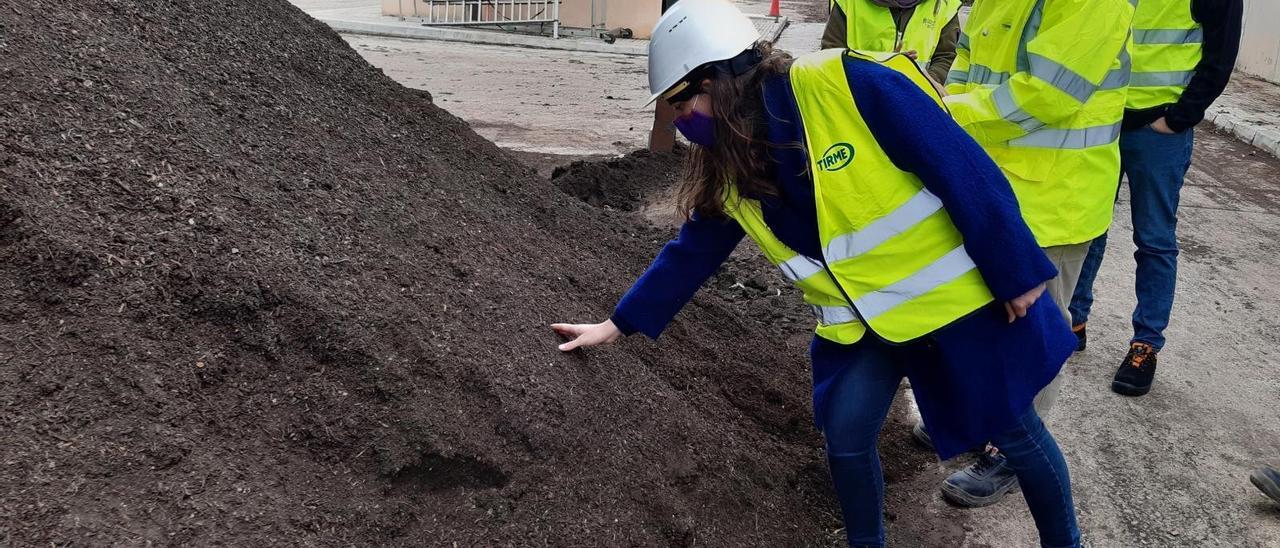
(256,293)
(626,183)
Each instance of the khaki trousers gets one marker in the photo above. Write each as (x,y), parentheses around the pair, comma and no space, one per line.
(1070,260)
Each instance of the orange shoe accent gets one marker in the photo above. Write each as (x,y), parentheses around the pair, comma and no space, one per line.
(1140,352)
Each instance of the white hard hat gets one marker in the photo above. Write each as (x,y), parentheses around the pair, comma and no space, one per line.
(693,33)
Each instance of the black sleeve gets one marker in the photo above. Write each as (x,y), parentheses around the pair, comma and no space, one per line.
(834,35)
(945,55)
(1221,20)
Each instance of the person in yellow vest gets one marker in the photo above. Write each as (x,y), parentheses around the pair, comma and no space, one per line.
(1040,84)
(915,262)
(926,30)
(1183,54)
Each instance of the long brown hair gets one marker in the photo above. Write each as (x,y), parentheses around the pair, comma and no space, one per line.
(738,155)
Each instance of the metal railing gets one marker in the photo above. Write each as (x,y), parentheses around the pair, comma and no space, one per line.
(489,12)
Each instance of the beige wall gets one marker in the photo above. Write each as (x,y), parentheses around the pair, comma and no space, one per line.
(1260,45)
(638,15)
(397,7)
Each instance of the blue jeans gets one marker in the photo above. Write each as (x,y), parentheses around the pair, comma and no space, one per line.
(1156,165)
(859,403)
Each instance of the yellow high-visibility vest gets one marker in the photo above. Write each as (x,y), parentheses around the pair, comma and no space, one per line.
(871,28)
(1041,86)
(1166,48)
(892,261)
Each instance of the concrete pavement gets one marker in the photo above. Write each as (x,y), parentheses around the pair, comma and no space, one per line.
(1171,469)
(1250,110)
(365,17)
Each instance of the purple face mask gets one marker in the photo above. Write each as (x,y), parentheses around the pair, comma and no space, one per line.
(698,127)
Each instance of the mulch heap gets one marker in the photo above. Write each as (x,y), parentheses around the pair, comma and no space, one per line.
(626,183)
(257,293)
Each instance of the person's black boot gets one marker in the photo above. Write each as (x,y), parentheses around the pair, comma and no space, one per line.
(1267,480)
(1136,372)
(1082,338)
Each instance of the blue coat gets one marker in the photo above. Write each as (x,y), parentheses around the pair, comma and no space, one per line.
(983,372)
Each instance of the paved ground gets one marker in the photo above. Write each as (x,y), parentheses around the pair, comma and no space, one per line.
(1250,110)
(1171,469)
(525,99)
(1166,470)
(543,101)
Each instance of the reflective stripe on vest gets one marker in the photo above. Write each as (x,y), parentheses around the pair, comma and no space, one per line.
(1073,139)
(834,315)
(1177,78)
(1168,36)
(954,264)
(800,268)
(907,215)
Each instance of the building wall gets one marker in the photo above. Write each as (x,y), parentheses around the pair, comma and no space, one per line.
(638,15)
(1260,45)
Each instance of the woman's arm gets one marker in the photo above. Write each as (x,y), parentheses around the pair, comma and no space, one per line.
(920,138)
(657,296)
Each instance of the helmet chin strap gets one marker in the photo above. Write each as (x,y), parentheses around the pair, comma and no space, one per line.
(741,63)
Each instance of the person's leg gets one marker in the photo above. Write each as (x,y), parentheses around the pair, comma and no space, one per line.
(1069,259)
(989,479)
(1082,298)
(1046,484)
(857,404)
(1156,164)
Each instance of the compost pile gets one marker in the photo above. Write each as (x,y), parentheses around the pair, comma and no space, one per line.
(257,293)
(626,183)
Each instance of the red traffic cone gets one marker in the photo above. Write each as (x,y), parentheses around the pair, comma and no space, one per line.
(773,9)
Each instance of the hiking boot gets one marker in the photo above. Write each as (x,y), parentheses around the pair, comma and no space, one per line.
(921,435)
(1082,338)
(1268,480)
(983,483)
(1136,371)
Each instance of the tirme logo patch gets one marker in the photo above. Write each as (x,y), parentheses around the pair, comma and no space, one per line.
(836,158)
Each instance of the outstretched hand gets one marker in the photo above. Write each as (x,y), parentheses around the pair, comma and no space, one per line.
(1017,308)
(586,334)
